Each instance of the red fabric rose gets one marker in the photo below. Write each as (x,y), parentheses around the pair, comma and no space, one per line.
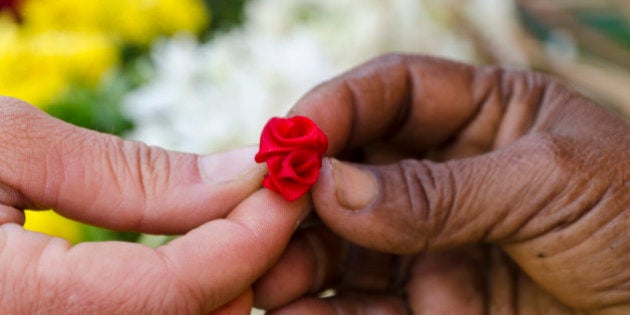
(292,148)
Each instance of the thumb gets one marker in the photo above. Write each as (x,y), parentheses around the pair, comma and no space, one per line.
(103,180)
(514,193)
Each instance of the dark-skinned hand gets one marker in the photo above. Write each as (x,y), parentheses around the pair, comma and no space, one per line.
(473,190)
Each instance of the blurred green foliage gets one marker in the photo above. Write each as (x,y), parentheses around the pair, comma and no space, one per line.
(225,14)
(614,24)
(97,234)
(97,109)
(100,109)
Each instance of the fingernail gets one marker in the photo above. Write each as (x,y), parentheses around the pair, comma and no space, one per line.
(229,165)
(356,188)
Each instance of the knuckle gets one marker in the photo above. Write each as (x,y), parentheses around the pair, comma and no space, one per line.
(143,288)
(519,83)
(28,290)
(183,296)
(547,162)
(151,165)
(141,169)
(418,186)
(143,296)
(414,215)
(13,105)
(437,190)
(549,153)
(161,294)
(15,118)
(554,188)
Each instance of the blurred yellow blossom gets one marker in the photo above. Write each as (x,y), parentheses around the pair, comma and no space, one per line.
(58,42)
(51,223)
(39,67)
(129,21)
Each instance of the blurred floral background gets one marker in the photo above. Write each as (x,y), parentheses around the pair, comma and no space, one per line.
(203,76)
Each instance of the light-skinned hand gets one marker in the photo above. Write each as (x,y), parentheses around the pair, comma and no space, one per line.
(232,230)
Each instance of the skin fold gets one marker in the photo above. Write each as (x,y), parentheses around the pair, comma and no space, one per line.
(454,189)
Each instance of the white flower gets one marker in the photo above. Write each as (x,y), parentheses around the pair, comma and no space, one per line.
(208,97)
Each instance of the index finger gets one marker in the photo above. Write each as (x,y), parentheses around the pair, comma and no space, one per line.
(416,100)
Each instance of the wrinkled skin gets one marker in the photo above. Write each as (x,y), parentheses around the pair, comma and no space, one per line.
(234,231)
(474,191)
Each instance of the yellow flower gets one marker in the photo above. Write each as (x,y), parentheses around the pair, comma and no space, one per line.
(63,41)
(181,15)
(37,68)
(51,223)
(130,21)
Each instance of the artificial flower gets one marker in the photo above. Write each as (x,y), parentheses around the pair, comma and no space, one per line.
(293,149)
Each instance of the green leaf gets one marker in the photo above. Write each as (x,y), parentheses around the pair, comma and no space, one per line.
(93,108)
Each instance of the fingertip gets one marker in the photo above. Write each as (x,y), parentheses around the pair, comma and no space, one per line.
(345,196)
(365,204)
(271,215)
(228,166)
(11,215)
(353,187)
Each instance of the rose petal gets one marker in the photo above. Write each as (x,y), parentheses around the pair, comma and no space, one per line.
(283,135)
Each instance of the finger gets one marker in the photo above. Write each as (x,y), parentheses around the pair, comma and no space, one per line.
(242,247)
(416,205)
(10,212)
(310,264)
(11,215)
(316,260)
(417,103)
(449,282)
(123,185)
(241,305)
(364,304)
(195,273)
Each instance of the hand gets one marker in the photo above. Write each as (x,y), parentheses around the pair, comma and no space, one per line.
(100,179)
(477,191)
